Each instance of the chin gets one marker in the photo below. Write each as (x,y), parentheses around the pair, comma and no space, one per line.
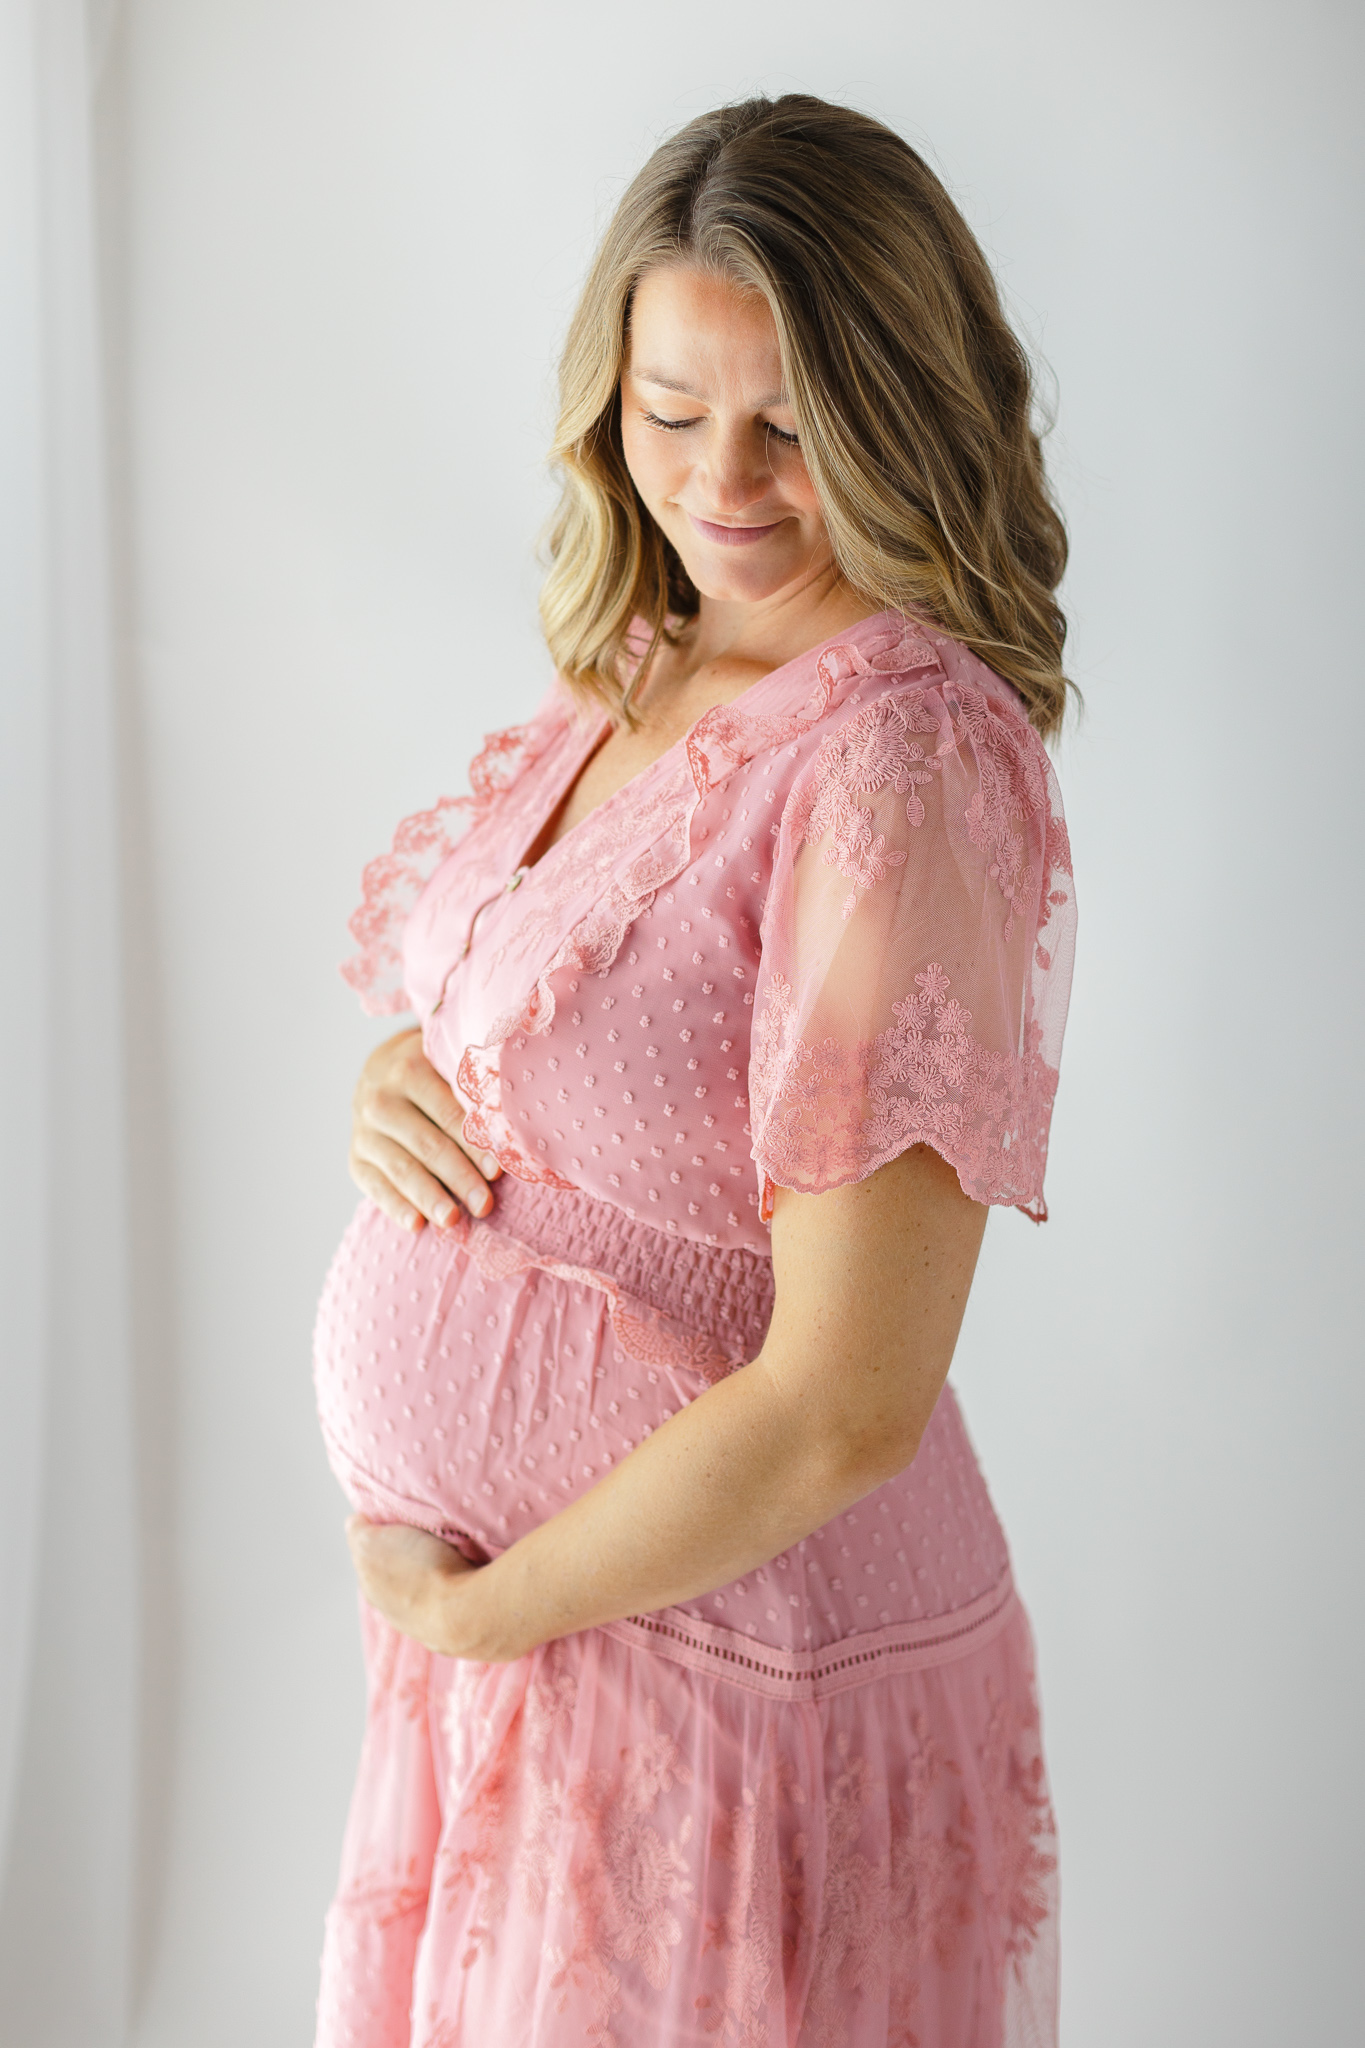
(728,583)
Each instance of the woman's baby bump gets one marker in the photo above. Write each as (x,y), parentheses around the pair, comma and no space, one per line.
(477,1407)
(482,1404)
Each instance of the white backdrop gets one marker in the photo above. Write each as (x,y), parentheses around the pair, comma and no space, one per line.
(344,239)
(69,1596)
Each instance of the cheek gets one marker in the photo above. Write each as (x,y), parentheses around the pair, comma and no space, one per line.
(801,491)
(655,462)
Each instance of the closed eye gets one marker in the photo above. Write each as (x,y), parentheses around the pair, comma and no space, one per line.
(676,427)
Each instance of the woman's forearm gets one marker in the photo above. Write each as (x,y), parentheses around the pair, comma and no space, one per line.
(726,1484)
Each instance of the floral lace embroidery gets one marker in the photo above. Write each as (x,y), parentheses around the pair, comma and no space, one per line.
(642,1879)
(911,1904)
(902,1910)
(876,748)
(932,1878)
(932,1872)
(385,1901)
(873,749)
(831,1112)
(393,882)
(904,1868)
(853,1922)
(649,817)
(1013,786)
(1020,1818)
(759,1934)
(828,1111)
(629,1883)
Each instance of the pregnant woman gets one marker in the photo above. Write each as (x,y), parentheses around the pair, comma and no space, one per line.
(701,1702)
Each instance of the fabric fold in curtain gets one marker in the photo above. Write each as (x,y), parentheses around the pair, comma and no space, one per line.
(68,1622)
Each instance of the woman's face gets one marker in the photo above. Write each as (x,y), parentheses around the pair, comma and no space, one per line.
(710,438)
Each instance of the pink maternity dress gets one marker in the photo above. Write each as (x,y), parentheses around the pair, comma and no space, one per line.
(806,1810)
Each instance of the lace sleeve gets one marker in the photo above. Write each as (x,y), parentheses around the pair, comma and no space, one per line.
(392,884)
(917,949)
(390,887)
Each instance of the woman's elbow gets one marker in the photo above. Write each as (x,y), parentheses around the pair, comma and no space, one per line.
(866,1456)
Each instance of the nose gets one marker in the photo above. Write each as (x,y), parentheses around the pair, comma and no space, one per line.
(735,472)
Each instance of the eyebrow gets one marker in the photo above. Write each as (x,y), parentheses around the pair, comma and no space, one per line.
(663,383)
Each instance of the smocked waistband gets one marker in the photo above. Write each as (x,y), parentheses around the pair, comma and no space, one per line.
(724,1294)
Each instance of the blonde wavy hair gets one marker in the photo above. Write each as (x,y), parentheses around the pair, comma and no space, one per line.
(913,398)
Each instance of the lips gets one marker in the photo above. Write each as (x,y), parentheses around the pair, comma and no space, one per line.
(732,536)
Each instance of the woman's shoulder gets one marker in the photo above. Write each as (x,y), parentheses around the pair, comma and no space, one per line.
(893,654)
(919,742)
(896,696)
(867,705)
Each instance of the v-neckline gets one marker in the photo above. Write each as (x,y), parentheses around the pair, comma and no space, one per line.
(580,760)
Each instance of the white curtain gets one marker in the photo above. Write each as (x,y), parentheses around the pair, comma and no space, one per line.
(68,1621)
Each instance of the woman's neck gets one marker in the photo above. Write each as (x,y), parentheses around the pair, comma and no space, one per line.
(773,630)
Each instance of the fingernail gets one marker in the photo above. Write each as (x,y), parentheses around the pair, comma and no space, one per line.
(490,1163)
(481,1202)
(444,1214)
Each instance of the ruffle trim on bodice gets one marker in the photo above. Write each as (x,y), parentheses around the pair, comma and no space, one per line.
(657,816)
(392,883)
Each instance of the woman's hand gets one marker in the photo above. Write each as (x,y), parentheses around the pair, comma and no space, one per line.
(407,1150)
(407,1575)
(871,1282)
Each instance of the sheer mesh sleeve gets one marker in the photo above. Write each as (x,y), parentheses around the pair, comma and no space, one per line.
(916,948)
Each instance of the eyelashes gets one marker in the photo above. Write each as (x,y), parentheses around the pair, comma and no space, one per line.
(678,426)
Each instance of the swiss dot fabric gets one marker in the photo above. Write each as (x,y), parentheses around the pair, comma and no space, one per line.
(808,1808)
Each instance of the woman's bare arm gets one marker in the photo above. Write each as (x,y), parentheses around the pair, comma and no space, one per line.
(407,1147)
(871,1284)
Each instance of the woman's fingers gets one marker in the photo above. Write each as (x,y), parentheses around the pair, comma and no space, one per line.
(405,1574)
(411,1074)
(384,1194)
(393,1116)
(423,1190)
(407,1149)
